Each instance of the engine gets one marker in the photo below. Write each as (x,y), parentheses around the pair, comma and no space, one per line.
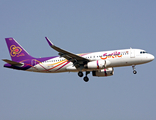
(99,64)
(103,72)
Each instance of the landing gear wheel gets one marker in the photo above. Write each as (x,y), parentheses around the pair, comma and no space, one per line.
(86,79)
(135,72)
(80,74)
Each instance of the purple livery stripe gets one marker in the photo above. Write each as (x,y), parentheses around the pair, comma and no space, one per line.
(105,72)
(97,65)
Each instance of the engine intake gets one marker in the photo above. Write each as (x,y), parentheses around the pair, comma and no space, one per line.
(103,72)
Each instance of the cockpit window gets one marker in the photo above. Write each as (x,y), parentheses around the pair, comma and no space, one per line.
(143,52)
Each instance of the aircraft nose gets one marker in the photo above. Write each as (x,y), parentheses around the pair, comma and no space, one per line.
(151,57)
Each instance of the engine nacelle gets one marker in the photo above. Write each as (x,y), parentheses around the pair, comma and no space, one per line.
(103,72)
(99,64)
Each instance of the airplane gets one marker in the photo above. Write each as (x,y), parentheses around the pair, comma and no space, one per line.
(101,64)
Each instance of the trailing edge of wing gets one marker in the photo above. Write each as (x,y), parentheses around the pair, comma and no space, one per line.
(12,62)
(68,55)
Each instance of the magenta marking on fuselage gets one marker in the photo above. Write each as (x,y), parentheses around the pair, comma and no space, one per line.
(105,72)
(97,65)
(62,66)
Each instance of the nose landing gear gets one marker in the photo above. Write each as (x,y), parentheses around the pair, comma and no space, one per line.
(134,71)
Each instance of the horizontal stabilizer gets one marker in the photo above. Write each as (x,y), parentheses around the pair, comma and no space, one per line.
(12,62)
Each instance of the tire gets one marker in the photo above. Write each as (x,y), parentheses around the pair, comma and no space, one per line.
(86,79)
(80,74)
(135,72)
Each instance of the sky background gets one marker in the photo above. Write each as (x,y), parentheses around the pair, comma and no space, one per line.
(78,26)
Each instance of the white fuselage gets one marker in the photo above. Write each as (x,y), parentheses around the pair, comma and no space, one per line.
(116,58)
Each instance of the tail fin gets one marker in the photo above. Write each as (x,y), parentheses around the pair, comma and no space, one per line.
(16,51)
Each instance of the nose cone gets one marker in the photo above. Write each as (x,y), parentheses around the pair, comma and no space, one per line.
(147,58)
(152,57)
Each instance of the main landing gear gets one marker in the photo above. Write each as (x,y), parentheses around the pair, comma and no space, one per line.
(134,71)
(80,74)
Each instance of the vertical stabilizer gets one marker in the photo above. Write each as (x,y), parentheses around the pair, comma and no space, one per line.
(16,51)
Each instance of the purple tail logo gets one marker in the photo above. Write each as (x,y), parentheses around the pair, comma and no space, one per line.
(15,51)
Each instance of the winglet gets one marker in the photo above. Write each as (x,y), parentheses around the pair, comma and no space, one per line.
(49,42)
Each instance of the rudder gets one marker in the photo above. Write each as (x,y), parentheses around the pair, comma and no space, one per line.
(16,51)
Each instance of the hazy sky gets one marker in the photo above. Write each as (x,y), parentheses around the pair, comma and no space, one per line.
(78,26)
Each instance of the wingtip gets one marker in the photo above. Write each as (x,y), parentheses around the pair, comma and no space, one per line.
(49,42)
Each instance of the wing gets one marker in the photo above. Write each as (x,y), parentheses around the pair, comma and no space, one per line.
(76,59)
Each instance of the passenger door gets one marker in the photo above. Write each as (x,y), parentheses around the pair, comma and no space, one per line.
(132,53)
